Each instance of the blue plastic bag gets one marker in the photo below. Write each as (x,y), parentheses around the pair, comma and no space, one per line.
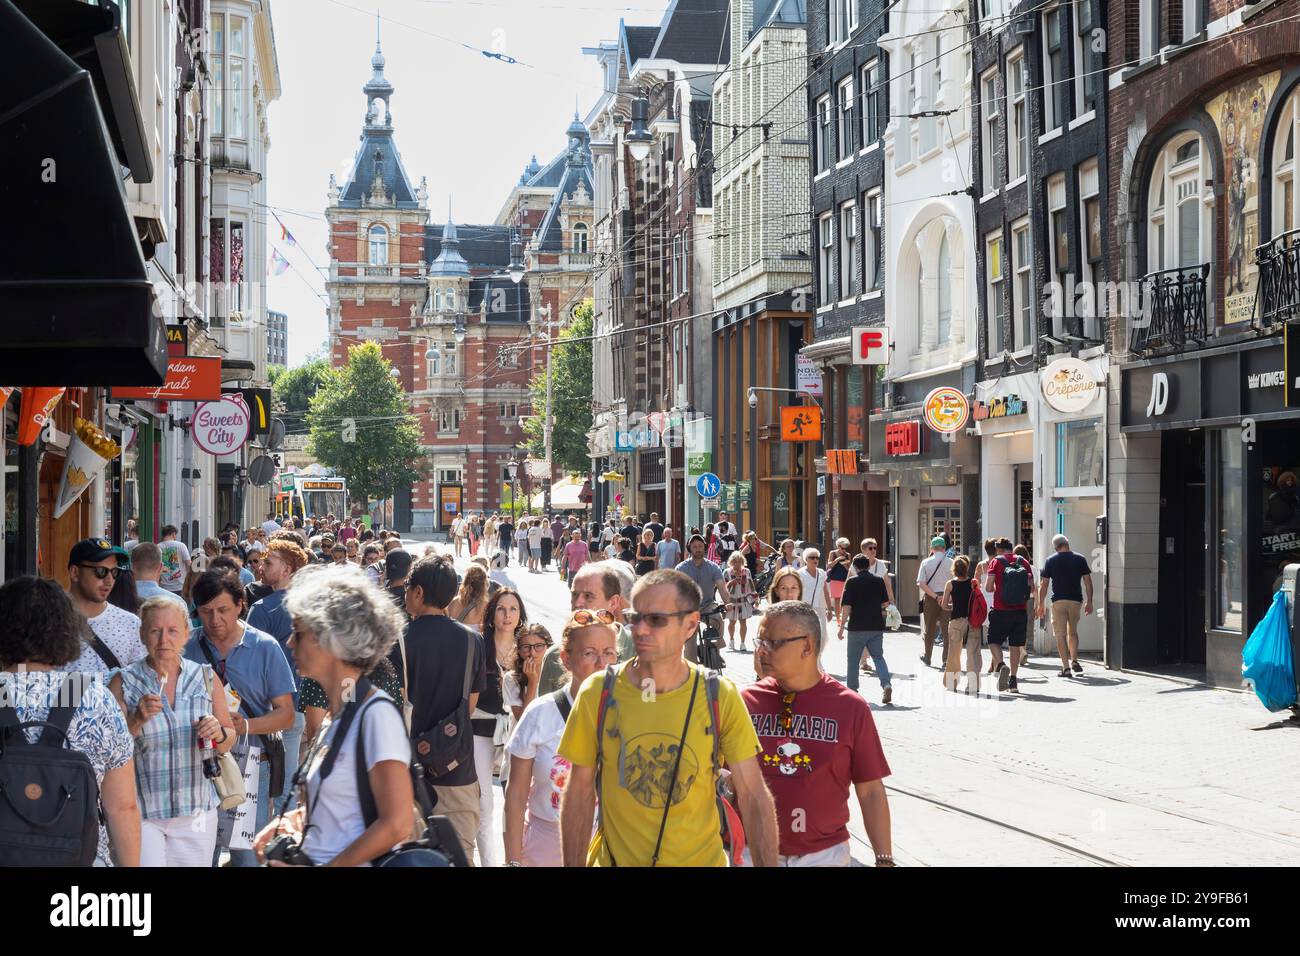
(1266,661)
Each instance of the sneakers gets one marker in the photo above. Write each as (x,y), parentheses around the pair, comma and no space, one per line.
(1011,683)
(1064,672)
(1078,668)
(888,695)
(1004,677)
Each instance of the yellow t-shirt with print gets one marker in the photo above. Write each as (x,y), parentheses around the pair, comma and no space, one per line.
(640,745)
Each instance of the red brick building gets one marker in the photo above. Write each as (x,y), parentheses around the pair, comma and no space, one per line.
(440,302)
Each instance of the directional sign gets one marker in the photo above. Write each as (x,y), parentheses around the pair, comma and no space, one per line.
(708,485)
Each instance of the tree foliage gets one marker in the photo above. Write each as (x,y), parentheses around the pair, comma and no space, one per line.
(292,389)
(570,396)
(359,426)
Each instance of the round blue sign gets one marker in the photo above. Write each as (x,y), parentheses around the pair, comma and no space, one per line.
(708,485)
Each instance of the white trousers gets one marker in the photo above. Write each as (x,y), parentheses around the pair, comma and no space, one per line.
(489,842)
(179,841)
(542,843)
(838,855)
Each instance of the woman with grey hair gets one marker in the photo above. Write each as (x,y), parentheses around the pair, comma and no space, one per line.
(342,626)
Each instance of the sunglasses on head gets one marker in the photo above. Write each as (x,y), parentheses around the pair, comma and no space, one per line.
(102,572)
(600,616)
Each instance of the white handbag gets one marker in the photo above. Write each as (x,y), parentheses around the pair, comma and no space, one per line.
(230,784)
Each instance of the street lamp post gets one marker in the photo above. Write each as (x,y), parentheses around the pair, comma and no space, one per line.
(512,472)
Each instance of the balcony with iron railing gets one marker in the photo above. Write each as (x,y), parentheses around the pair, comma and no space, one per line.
(1172,310)
(1277,292)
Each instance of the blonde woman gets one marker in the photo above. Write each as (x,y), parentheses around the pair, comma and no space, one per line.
(176,713)
(786,586)
(742,599)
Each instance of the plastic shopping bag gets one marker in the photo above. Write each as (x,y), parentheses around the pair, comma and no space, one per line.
(1267,663)
(893,618)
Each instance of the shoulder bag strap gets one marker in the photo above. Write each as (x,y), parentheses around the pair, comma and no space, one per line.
(677,763)
(105,655)
(937,565)
(562,703)
(59,719)
(602,709)
(469,668)
(711,695)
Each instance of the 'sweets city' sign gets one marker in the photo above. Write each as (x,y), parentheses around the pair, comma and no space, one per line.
(221,428)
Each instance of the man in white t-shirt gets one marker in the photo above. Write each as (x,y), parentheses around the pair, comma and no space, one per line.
(93,568)
(931,578)
(270,525)
(175,560)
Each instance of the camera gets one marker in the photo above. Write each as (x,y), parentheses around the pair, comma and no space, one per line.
(286,849)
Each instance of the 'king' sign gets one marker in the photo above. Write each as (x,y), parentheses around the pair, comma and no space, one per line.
(221,428)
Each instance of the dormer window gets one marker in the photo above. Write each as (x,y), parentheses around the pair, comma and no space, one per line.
(378,245)
(580,237)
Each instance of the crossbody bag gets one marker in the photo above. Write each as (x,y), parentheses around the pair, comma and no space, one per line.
(272,744)
(606,696)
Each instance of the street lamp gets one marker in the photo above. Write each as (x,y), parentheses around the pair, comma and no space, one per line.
(512,471)
(516,267)
(639,140)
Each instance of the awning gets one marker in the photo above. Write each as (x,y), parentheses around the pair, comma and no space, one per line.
(76,305)
(566,495)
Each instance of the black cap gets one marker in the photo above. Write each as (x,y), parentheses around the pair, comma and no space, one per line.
(93,550)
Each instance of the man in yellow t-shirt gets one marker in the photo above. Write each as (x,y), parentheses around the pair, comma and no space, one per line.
(655,696)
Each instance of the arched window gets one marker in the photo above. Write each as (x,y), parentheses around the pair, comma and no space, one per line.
(580,237)
(945,291)
(920,301)
(378,245)
(1286,198)
(1179,224)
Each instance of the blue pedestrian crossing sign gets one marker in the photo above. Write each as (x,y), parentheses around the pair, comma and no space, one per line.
(708,485)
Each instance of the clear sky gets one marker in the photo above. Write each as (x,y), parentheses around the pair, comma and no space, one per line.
(467,122)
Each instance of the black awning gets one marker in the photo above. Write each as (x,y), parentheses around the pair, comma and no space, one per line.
(76,304)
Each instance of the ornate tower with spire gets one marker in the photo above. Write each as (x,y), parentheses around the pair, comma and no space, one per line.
(376,241)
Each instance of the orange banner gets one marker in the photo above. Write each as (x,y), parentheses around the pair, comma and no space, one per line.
(189,379)
(801,423)
(841,461)
(37,404)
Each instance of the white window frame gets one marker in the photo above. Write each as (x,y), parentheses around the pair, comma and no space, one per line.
(989,114)
(844,102)
(237,76)
(1057,203)
(449,356)
(1085,75)
(686,260)
(218,52)
(1054,77)
(1090,189)
(1286,191)
(1193,19)
(1148,28)
(581,238)
(1022,286)
(871,94)
(449,420)
(995,267)
(378,244)
(873,236)
(822,133)
(825,257)
(848,217)
(1183,184)
(1017,117)
(943,289)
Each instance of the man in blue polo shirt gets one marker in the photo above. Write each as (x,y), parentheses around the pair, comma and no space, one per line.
(259,684)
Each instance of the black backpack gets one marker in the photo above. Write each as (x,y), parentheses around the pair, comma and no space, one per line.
(1015,581)
(49,798)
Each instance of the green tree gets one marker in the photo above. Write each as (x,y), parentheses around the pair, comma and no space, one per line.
(359,426)
(570,396)
(292,389)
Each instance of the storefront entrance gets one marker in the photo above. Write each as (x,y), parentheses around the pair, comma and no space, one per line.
(1076,518)
(1180,557)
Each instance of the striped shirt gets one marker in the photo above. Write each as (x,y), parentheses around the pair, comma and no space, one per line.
(168,765)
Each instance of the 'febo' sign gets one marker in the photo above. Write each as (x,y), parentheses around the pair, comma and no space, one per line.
(189,379)
(222,427)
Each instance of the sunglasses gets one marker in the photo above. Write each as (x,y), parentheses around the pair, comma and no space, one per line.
(657,620)
(871,547)
(102,572)
(601,616)
(769,645)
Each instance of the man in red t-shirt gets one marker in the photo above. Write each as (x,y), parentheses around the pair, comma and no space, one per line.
(818,739)
(1009,616)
